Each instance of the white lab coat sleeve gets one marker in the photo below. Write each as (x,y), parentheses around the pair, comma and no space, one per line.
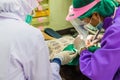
(55,71)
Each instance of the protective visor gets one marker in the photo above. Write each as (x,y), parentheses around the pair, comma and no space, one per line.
(80,27)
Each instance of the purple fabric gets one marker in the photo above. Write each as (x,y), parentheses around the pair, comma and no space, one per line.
(104,63)
(117,13)
(107,22)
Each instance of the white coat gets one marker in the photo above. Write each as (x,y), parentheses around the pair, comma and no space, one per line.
(27,53)
(24,54)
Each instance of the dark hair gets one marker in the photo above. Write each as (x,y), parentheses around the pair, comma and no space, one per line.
(72,73)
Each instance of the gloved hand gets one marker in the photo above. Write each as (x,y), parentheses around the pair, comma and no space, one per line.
(65,56)
(79,43)
(90,42)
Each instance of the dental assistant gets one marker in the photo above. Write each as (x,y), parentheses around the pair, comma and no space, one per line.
(103,64)
(24,54)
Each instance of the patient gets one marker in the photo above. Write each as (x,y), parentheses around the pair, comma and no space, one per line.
(72,73)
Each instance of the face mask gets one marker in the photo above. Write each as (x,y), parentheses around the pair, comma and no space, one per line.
(31,5)
(28,19)
(100,25)
(91,28)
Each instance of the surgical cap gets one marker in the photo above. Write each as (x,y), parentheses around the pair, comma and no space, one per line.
(18,7)
(105,8)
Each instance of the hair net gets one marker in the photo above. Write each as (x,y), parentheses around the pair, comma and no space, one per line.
(105,8)
(18,7)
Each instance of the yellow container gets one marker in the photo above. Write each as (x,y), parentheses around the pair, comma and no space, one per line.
(42,13)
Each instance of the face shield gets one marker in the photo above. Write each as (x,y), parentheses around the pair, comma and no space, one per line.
(79,26)
(79,42)
(84,28)
(76,12)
